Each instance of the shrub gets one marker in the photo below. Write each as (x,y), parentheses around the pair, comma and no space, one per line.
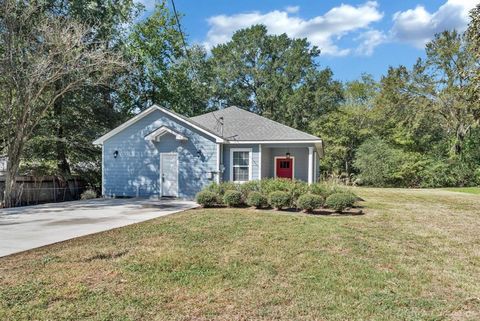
(279,199)
(248,187)
(233,198)
(325,189)
(207,198)
(292,187)
(257,199)
(340,201)
(309,202)
(88,194)
(221,188)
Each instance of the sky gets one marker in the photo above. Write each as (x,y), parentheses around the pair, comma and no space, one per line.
(354,37)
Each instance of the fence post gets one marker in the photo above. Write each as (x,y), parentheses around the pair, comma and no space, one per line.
(54,191)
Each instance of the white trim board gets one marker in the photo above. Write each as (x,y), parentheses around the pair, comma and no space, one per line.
(146,112)
(275,165)
(250,162)
(159,132)
(239,142)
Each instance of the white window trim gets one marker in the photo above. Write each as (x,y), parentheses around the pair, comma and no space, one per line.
(250,163)
(275,165)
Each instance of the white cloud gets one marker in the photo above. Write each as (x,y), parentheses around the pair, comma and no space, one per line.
(292,9)
(369,41)
(418,26)
(321,31)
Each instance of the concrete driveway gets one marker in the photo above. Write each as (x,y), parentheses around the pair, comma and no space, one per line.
(28,227)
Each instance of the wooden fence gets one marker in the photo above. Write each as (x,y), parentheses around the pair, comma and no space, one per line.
(36,190)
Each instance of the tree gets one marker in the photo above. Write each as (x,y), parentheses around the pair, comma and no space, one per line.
(43,57)
(274,76)
(61,144)
(473,36)
(344,130)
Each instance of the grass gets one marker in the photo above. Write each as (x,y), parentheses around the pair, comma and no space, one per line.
(470,190)
(415,255)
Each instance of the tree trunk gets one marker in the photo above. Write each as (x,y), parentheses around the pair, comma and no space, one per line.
(63,167)
(13,163)
(60,146)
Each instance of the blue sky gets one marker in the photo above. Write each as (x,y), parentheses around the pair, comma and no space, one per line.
(354,36)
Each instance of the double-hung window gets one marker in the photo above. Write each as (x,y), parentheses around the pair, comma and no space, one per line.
(241,164)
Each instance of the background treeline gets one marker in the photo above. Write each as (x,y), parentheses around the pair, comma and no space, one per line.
(80,68)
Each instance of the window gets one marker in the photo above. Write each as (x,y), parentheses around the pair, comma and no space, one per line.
(241,162)
(285,164)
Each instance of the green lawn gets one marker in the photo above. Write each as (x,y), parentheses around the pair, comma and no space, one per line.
(414,255)
(470,190)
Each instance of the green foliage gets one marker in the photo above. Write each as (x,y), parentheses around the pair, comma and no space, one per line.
(279,199)
(340,201)
(248,187)
(207,198)
(309,202)
(88,194)
(257,199)
(326,189)
(344,129)
(294,188)
(273,75)
(380,164)
(233,198)
(221,188)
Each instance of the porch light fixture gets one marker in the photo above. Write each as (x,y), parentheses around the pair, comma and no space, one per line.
(115,154)
(199,153)
(287,155)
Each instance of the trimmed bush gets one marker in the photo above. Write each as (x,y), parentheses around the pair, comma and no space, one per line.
(309,202)
(279,199)
(340,201)
(233,198)
(221,188)
(248,187)
(88,194)
(207,198)
(293,187)
(257,200)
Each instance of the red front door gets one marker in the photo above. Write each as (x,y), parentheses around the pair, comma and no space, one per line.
(284,167)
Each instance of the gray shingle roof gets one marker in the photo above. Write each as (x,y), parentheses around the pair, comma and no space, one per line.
(242,125)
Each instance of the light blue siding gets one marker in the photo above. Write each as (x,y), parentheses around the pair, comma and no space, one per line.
(136,170)
(227,160)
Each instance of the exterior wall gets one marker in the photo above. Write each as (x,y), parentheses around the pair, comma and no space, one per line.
(300,165)
(268,154)
(255,159)
(266,162)
(136,170)
(317,167)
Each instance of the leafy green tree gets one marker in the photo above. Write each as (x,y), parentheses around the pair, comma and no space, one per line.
(164,71)
(377,162)
(274,76)
(344,130)
(61,144)
(43,57)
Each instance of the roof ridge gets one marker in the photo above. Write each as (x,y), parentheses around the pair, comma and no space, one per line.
(236,116)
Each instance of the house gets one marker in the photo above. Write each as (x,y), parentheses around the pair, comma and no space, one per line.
(161,153)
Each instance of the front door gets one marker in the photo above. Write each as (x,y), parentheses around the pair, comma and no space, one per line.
(284,167)
(169,174)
